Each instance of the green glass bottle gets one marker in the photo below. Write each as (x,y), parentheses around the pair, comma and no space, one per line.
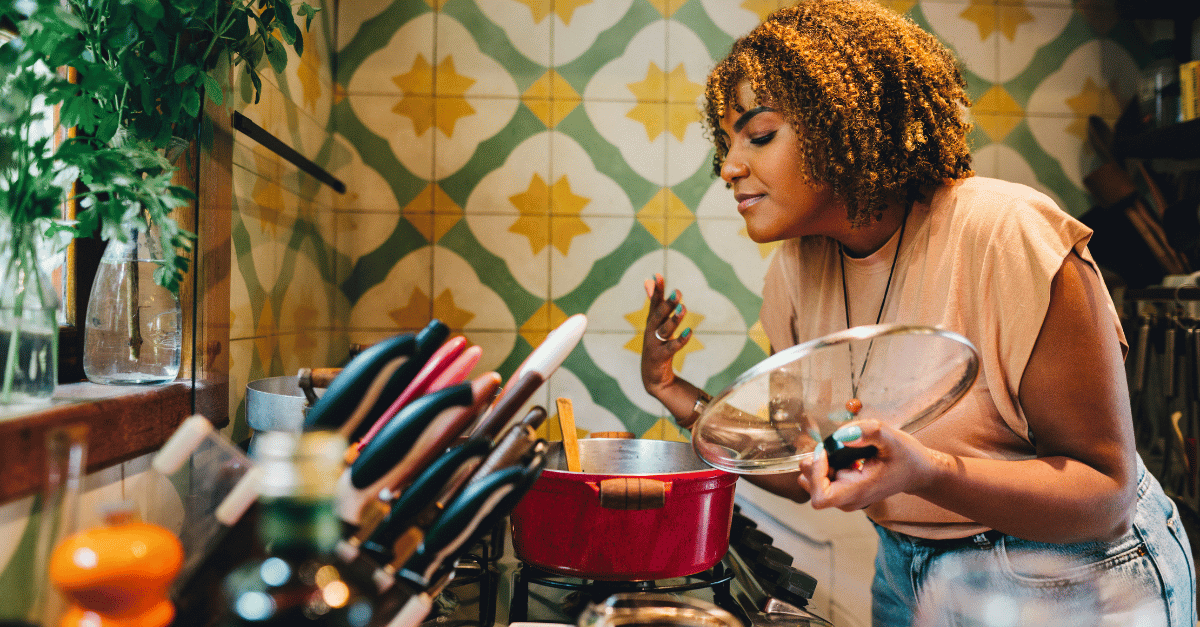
(298,581)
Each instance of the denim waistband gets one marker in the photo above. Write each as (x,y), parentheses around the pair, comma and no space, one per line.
(982,540)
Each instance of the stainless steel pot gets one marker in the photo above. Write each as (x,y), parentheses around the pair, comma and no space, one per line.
(276,404)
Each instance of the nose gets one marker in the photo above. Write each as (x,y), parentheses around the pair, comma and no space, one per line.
(733,168)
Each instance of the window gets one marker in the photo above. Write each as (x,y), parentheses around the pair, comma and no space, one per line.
(72,268)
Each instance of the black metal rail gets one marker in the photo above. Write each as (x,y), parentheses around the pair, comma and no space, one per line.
(272,143)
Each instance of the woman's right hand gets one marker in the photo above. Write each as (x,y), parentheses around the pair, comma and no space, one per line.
(662,320)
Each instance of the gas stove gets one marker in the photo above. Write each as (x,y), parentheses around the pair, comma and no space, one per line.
(755,581)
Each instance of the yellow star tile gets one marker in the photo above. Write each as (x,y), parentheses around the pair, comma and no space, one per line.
(680,117)
(449,81)
(534,205)
(665,216)
(446,214)
(418,79)
(667,8)
(539,324)
(423,223)
(637,320)
(566,206)
(303,318)
(997,114)
(419,212)
(551,98)
(899,6)
(680,88)
(1095,99)
(566,8)
(267,194)
(310,84)
(759,336)
(989,18)
(679,216)
(666,429)
(415,313)
(539,8)
(650,93)
(419,109)
(339,93)
(447,311)
(761,8)
(265,333)
(652,116)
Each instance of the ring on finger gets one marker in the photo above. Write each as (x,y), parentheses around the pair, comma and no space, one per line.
(660,338)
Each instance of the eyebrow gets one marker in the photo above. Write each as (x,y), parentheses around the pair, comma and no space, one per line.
(745,117)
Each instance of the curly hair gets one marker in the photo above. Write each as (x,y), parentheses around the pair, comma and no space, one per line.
(878,103)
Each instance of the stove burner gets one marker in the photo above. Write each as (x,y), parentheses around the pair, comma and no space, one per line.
(585,591)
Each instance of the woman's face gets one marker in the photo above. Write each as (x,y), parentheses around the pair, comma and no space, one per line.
(763,168)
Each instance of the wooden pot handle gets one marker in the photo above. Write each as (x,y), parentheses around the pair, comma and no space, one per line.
(633,493)
(620,435)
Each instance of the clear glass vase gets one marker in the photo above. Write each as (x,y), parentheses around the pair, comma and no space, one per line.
(28,319)
(134,332)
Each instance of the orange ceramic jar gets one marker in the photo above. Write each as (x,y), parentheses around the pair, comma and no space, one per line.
(117,575)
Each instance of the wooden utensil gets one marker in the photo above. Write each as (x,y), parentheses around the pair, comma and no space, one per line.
(566,420)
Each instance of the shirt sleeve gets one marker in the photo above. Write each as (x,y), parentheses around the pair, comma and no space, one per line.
(778,312)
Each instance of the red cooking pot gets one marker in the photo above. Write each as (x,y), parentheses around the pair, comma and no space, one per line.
(640,510)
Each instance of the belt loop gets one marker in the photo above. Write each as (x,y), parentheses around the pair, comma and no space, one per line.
(982,540)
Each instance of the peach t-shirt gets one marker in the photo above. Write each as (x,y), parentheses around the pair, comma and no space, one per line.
(977,260)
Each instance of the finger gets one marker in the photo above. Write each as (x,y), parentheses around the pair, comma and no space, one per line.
(671,322)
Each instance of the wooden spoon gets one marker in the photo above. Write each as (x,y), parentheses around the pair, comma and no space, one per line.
(566,420)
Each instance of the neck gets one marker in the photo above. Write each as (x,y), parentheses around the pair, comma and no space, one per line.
(863,240)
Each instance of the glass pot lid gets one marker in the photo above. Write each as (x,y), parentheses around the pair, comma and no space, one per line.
(773,414)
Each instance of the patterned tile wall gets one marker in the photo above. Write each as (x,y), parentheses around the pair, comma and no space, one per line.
(513,162)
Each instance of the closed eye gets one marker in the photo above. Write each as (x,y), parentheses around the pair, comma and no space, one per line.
(762,139)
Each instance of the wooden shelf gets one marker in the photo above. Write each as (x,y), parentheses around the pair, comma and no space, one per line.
(124,423)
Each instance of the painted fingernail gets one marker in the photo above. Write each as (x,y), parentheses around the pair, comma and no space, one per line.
(848,433)
(649,288)
(819,450)
(686,333)
(678,310)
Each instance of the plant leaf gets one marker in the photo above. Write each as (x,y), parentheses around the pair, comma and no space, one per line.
(213,89)
(277,54)
(191,103)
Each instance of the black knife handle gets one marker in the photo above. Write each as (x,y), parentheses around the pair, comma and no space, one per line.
(347,388)
(396,438)
(428,340)
(421,493)
(476,509)
(841,456)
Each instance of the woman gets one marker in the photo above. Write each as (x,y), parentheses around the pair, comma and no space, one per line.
(840,126)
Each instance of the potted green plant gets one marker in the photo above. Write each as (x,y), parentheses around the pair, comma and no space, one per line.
(144,69)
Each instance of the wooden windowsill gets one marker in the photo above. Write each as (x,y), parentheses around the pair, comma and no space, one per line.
(124,422)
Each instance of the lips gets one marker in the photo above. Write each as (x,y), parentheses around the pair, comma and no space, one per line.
(745,201)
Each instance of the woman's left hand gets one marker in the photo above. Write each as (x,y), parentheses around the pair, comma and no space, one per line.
(902,464)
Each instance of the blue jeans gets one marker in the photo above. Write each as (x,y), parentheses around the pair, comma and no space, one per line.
(1147,577)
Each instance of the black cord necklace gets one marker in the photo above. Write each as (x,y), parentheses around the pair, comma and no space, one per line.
(854,404)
